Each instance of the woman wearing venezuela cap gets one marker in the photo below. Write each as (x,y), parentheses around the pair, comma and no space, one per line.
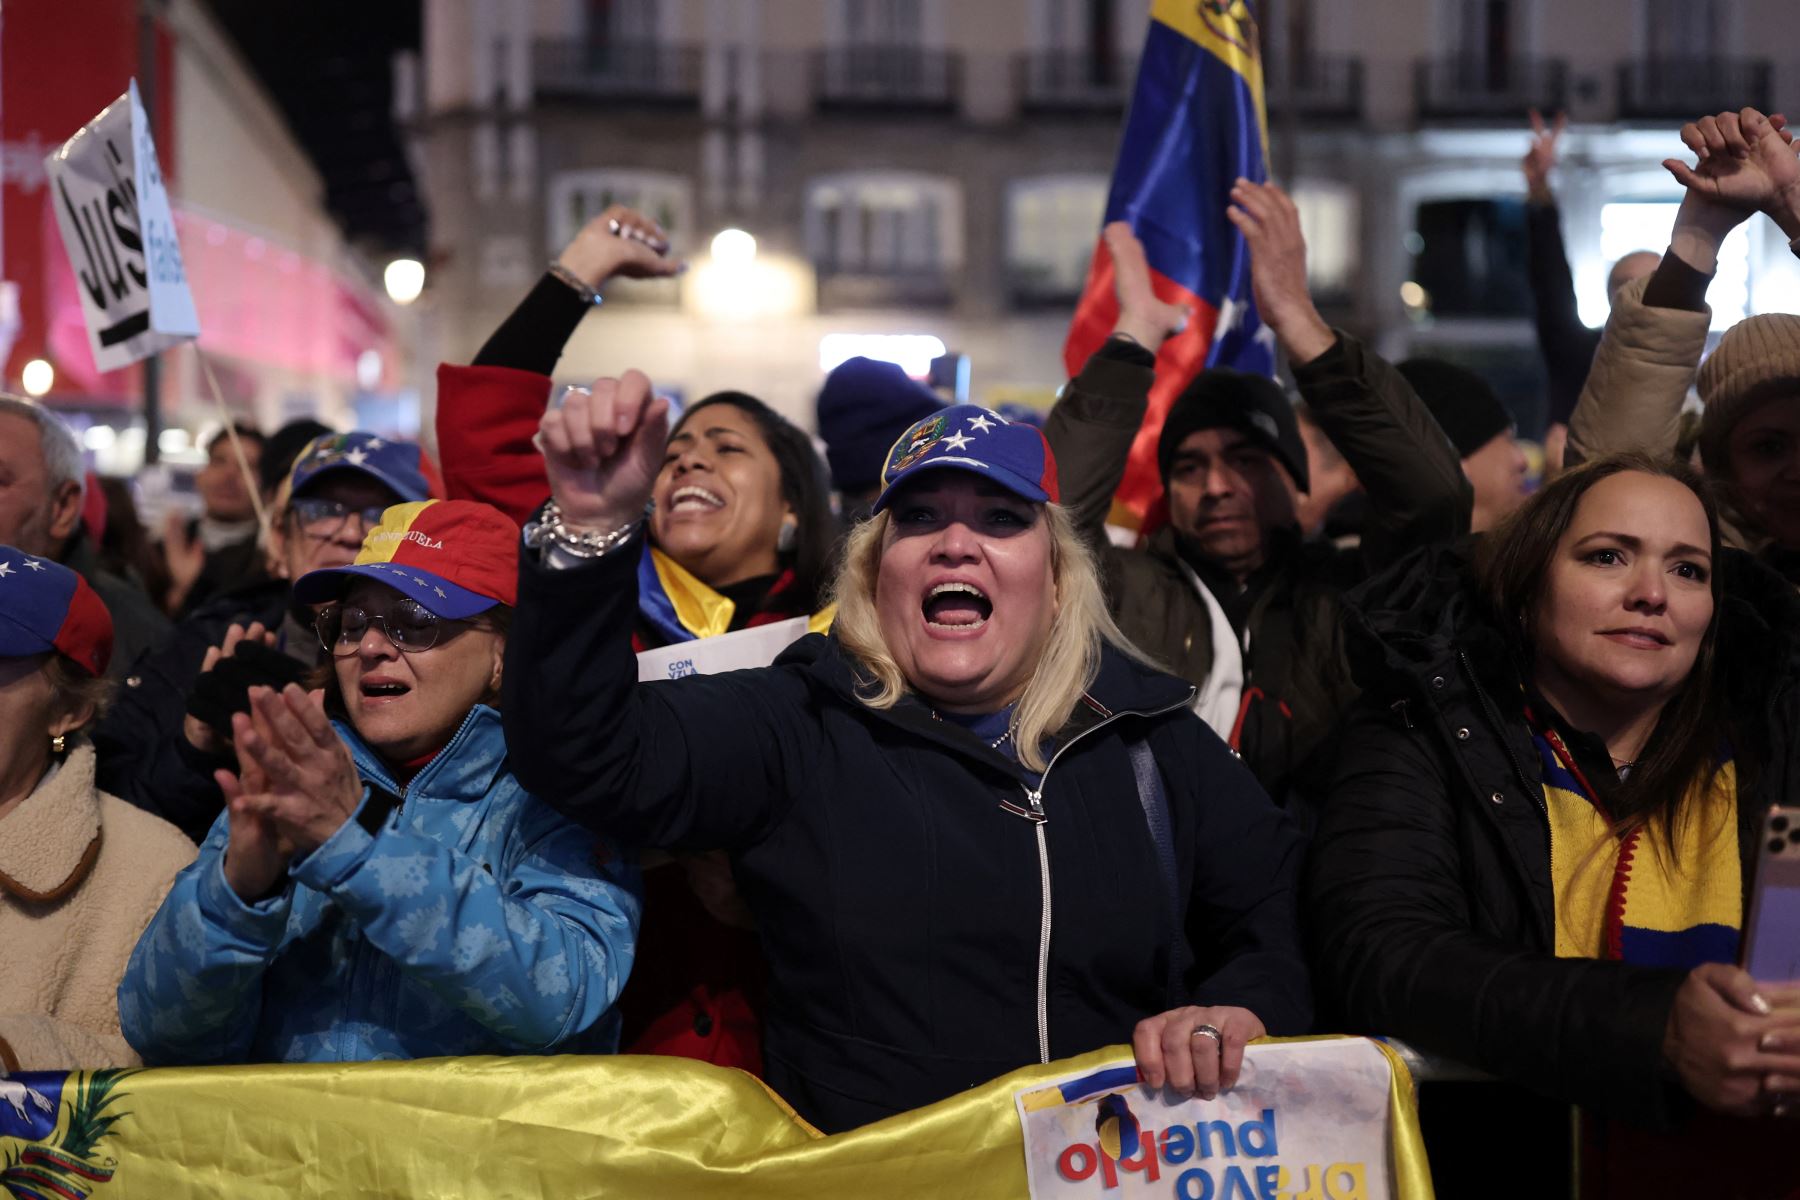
(380,885)
(977,831)
(80,871)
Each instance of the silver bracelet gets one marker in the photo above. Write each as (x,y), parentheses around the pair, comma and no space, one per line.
(550,530)
(573,282)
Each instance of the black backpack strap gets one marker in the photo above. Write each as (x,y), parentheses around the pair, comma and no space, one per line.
(1155,802)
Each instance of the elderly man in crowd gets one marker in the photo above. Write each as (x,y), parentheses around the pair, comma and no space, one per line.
(42,484)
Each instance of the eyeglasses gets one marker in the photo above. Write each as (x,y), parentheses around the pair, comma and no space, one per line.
(323,518)
(409,626)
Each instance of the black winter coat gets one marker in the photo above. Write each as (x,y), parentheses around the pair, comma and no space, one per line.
(142,755)
(1429,888)
(925,929)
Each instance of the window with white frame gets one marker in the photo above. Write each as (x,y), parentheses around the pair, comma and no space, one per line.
(577,197)
(884,223)
(1330,220)
(1051,227)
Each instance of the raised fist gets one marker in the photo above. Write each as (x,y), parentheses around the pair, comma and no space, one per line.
(603,449)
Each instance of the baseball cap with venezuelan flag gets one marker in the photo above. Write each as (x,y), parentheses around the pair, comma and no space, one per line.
(968,437)
(399,466)
(456,557)
(44,606)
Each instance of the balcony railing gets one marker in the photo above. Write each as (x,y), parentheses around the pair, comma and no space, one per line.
(1667,88)
(1319,88)
(886,77)
(642,72)
(1070,81)
(1498,89)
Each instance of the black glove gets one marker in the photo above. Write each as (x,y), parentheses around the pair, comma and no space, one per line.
(225,689)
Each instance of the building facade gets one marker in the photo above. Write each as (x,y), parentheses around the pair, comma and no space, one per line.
(931,170)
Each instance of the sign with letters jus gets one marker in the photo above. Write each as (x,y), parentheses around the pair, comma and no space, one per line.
(113,211)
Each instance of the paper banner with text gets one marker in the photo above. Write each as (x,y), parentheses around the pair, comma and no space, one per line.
(113,210)
(753,647)
(610,1126)
(1308,1120)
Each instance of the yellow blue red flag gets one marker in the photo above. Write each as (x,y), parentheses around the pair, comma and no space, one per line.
(1196,124)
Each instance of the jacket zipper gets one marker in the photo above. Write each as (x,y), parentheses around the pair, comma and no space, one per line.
(1035,798)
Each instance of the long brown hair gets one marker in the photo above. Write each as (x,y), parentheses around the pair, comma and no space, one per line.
(1512,569)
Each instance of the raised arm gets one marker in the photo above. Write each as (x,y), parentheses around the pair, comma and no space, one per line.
(1417,490)
(1098,415)
(1567,345)
(707,762)
(488,412)
(1657,332)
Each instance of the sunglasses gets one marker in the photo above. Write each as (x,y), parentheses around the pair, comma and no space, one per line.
(409,626)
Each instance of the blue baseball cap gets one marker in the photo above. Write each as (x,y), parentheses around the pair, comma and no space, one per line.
(968,437)
(44,606)
(398,466)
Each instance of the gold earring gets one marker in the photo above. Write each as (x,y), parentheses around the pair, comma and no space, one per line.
(59,743)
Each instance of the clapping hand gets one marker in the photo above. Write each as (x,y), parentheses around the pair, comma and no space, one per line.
(602,451)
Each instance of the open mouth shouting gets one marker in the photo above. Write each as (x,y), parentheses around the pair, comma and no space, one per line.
(956,606)
(691,499)
(376,690)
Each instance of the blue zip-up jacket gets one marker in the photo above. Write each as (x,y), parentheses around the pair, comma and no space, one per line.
(474,920)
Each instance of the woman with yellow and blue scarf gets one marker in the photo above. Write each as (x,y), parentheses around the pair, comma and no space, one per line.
(1537,853)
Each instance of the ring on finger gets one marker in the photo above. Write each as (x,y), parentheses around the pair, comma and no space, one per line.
(1211,1031)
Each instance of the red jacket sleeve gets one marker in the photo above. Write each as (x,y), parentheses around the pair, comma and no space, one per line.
(486,418)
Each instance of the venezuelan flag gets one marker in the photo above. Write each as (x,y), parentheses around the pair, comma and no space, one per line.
(1196,124)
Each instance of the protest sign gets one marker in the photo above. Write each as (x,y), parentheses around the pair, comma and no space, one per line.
(113,211)
(756,647)
(1308,1120)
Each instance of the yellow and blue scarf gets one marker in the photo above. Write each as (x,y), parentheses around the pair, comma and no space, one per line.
(1630,899)
(680,608)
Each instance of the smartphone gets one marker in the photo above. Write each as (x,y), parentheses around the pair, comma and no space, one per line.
(1772,934)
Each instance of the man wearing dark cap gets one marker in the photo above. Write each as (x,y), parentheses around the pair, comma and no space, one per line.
(864,405)
(1481,429)
(1228,594)
(158,745)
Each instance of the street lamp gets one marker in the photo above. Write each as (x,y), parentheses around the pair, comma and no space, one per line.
(405,279)
(733,247)
(38,377)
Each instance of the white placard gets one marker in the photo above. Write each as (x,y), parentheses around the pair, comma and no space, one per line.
(113,210)
(755,647)
(1306,1119)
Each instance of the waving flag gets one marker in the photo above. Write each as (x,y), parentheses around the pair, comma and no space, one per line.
(1196,124)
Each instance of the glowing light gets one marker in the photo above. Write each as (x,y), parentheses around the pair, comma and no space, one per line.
(368,370)
(1413,296)
(37,377)
(404,279)
(733,247)
(913,352)
(100,438)
(174,441)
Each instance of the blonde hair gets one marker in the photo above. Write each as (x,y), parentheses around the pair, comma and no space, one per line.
(1065,669)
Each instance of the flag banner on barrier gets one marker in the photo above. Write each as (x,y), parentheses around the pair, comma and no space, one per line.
(107,189)
(1307,1121)
(633,1126)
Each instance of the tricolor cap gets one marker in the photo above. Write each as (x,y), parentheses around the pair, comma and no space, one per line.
(456,557)
(45,606)
(396,465)
(968,437)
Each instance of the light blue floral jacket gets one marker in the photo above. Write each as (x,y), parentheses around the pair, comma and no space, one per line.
(473,920)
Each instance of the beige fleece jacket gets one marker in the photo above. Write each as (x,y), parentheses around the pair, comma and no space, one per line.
(81,874)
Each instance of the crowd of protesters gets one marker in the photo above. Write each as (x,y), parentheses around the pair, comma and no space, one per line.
(1368,737)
